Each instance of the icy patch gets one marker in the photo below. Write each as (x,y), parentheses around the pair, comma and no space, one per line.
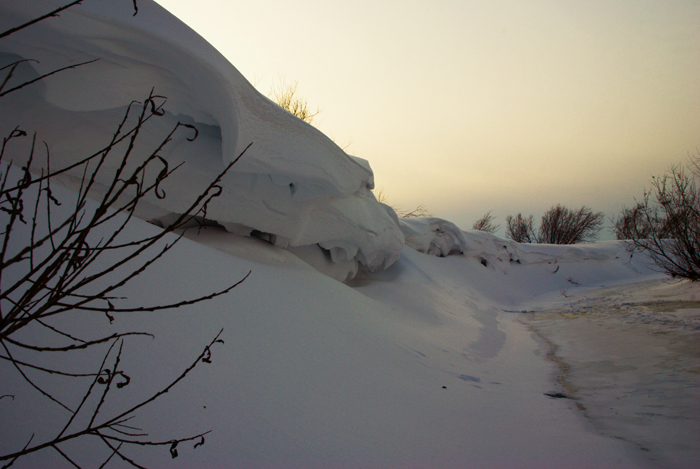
(632,364)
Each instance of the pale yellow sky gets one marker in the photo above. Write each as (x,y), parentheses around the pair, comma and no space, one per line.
(467,106)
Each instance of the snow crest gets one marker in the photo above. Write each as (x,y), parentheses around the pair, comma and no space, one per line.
(433,236)
(293,187)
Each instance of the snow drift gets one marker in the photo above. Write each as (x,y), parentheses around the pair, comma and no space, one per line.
(294,187)
(427,363)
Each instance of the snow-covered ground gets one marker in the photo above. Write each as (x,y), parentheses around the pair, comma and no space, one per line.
(351,344)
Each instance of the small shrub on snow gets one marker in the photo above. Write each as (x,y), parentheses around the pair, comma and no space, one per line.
(519,228)
(485,224)
(418,212)
(561,225)
(285,94)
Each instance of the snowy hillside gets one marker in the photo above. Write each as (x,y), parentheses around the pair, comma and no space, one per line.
(359,340)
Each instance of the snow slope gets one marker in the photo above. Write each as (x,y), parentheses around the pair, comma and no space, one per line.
(417,366)
(416,361)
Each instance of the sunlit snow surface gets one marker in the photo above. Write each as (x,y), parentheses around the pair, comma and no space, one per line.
(427,362)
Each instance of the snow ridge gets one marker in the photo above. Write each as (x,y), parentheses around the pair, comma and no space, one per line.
(294,185)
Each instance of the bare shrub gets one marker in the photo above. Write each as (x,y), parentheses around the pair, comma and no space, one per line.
(559,225)
(485,224)
(380,195)
(629,221)
(520,229)
(418,212)
(60,256)
(62,264)
(285,94)
(635,222)
(666,222)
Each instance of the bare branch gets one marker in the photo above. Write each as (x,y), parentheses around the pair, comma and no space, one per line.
(117,421)
(27,83)
(31,383)
(53,13)
(78,346)
(61,266)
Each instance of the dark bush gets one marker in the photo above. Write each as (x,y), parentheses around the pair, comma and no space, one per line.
(634,223)
(485,224)
(519,228)
(666,222)
(559,225)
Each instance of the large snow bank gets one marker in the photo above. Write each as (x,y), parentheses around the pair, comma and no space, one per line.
(293,185)
(441,238)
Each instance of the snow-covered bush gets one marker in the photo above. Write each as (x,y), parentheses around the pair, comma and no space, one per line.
(666,222)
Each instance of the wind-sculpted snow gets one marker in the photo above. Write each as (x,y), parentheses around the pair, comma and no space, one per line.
(438,237)
(494,251)
(433,236)
(293,187)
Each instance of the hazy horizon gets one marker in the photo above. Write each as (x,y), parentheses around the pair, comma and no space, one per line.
(468,106)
